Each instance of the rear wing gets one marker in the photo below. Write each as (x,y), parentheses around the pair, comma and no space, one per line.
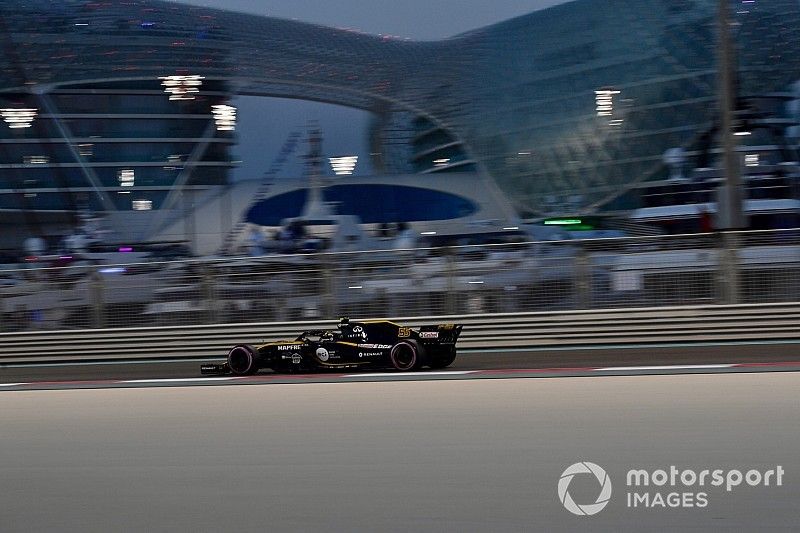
(440,333)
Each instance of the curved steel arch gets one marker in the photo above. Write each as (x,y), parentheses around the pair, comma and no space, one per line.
(519,94)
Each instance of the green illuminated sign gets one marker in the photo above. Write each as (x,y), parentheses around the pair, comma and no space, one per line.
(563,222)
(571,224)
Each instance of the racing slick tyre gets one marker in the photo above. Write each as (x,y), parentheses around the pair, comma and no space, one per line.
(407,355)
(242,360)
(435,362)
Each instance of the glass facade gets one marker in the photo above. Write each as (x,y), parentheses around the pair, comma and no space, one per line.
(564,108)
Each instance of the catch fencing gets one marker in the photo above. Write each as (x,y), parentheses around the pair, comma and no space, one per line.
(686,270)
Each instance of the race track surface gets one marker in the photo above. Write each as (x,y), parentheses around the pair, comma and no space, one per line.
(466,455)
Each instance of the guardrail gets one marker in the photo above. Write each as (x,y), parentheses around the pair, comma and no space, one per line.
(507,330)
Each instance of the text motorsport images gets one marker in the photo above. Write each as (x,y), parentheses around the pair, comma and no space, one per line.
(672,488)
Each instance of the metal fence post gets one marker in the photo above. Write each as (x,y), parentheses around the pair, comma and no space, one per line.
(97,300)
(4,323)
(210,295)
(450,296)
(583,280)
(328,287)
(729,268)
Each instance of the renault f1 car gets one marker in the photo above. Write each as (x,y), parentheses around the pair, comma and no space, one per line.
(378,344)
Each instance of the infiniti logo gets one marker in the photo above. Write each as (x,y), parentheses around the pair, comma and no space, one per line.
(590,508)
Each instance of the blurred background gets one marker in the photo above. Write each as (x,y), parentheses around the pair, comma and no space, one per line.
(176,163)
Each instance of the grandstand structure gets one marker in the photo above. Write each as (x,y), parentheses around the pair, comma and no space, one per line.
(127,107)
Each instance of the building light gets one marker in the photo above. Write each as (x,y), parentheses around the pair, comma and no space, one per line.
(182,87)
(742,133)
(751,160)
(126,177)
(18,118)
(86,149)
(511,228)
(441,162)
(36,159)
(174,158)
(604,102)
(428,233)
(224,117)
(142,205)
(344,165)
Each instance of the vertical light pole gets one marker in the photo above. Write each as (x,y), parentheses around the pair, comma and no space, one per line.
(730,214)
(315,204)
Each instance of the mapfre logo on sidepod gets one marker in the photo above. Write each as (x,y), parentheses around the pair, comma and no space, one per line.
(579,469)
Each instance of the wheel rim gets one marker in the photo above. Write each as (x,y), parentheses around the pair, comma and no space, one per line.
(404,356)
(240,360)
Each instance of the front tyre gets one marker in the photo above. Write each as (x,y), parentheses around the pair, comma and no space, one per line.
(242,360)
(406,355)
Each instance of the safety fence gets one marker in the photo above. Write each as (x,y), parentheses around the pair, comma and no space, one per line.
(704,269)
(610,327)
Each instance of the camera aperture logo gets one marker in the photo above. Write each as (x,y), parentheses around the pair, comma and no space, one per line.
(587,509)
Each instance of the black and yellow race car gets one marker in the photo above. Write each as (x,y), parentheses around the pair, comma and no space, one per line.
(373,344)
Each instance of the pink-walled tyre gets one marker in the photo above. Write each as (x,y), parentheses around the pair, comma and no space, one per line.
(242,360)
(406,356)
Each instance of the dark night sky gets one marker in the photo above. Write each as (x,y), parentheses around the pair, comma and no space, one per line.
(416,19)
(265,123)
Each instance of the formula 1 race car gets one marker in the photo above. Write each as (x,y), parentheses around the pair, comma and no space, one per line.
(376,344)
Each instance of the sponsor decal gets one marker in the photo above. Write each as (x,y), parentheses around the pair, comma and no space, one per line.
(296,358)
(285,347)
(369,354)
(428,334)
(404,332)
(323,354)
(375,346)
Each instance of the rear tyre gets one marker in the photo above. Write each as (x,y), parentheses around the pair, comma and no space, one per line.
(406,355)
(437,362)
(242,360)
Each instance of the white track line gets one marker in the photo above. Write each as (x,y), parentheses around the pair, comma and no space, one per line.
(11,384)
(176,380)
(664,367)
(402,374)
